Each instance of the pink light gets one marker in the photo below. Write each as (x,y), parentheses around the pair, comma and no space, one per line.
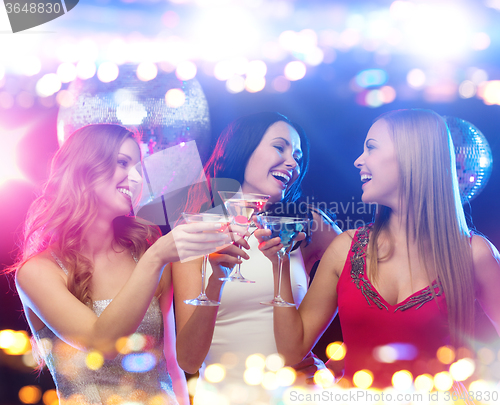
(8,154)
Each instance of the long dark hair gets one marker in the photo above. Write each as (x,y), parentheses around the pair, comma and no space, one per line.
(234,147)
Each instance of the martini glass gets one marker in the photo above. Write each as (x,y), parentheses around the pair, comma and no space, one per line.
(240,207)
(202,299)
(287,228)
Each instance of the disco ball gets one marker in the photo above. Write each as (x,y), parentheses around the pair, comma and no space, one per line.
(140,106)
(473,157)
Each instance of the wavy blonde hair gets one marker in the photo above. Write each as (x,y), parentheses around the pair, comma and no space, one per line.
(434,213)
(61,216)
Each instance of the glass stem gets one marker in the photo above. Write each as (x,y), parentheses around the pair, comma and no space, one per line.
(280,269)
(237,270)
(203,274)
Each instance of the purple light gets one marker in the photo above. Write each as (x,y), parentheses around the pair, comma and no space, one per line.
(138,362)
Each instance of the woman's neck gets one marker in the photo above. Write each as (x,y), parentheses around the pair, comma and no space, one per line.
(99,238)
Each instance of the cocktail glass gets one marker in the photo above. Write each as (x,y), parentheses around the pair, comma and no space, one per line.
(241,207)
(287,228)
(202,299)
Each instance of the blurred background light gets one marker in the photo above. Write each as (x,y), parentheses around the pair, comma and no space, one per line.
(215,373)
(424,383)
(186,70)
(336,351)
(175,98)
(30,394)
(146,71)
(107,72)
(362,379)
(295,70)
(85,69)
(139,362)
(402,380)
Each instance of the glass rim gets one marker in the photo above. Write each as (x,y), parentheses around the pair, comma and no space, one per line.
(207,214)
(286,219)
(263,196)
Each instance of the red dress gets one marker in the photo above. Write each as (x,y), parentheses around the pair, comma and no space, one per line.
(410,331)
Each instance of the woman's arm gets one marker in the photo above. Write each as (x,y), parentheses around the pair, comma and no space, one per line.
(195,324)
(486,261)
(176,374)
(43,290)
(296,331)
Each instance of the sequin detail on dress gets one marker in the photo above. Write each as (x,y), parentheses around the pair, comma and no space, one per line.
(358,265)
(358,268)
(137,375)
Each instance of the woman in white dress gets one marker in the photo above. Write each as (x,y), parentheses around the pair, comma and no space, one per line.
(265,153)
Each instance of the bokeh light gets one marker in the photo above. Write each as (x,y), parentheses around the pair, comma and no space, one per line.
(445,354)
(324,378)
(85,69)
(175,98)
(48,84)
(107,72)
(336,351)
(363,379)
(186,70)
(255,84)
(295,70)
(286,376)
(443,381)
(416,78)
(402,380)
(371,77)
(491,92)
(269,381)
(66,72)
(235,84)
(485,355)
(94,360)
(30,394)
(253,375)
(146,71)
(50,397)
(215,373)
(424,382)
(274,362)
(462,369)
(139,362)
(14,343)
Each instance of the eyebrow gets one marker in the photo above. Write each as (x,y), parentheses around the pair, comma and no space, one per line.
(123,154)
(287,143)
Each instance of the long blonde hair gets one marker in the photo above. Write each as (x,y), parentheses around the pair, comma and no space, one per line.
(61,216)
(434,213)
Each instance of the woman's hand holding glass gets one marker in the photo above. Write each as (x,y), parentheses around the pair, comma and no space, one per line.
(287,230)
(190,241)
(224,260)
(271,246)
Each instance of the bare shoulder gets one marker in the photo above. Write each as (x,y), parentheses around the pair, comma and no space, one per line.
(485,257)
(39,267)
(336,254)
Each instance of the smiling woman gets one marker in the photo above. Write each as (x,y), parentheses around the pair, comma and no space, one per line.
(409,281)
(90,275)
(268,154)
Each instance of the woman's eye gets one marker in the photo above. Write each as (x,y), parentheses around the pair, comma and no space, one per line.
(122,163)
(280,148)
